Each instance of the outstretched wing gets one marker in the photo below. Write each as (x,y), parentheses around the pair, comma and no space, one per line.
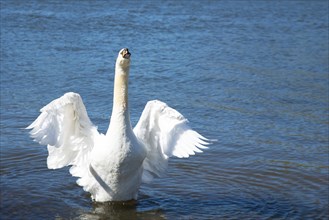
(66,129)
(165,133)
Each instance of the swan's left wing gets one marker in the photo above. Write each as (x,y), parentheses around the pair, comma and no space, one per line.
(66,129)
(165,133)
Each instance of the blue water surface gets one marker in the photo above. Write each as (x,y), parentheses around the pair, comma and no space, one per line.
(252,74)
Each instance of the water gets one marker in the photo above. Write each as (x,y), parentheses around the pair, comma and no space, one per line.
(252,74)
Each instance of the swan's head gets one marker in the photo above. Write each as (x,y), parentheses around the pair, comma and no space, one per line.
(123,59)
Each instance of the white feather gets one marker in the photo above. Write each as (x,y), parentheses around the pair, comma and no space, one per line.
(65,127)
(165,133)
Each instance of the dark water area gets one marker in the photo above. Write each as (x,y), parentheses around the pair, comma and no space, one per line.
(252,74)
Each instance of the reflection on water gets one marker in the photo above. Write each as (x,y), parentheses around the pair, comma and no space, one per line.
(253,75)
(120,211)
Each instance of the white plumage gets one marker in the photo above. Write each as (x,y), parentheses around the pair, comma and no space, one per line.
(111,167)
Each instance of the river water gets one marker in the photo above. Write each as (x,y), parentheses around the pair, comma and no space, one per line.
(252,74)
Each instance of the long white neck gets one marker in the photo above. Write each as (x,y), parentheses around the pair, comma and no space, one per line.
(120,94)
(120,112)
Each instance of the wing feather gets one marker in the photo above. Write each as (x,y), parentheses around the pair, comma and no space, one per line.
(165,133)
(66,129)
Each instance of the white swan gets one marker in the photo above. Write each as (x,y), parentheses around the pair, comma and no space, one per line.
(111,167)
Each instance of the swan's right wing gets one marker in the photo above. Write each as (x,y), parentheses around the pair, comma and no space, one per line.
(66,129)
(165,133)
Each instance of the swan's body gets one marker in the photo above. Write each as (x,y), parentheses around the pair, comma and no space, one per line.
(111,167)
